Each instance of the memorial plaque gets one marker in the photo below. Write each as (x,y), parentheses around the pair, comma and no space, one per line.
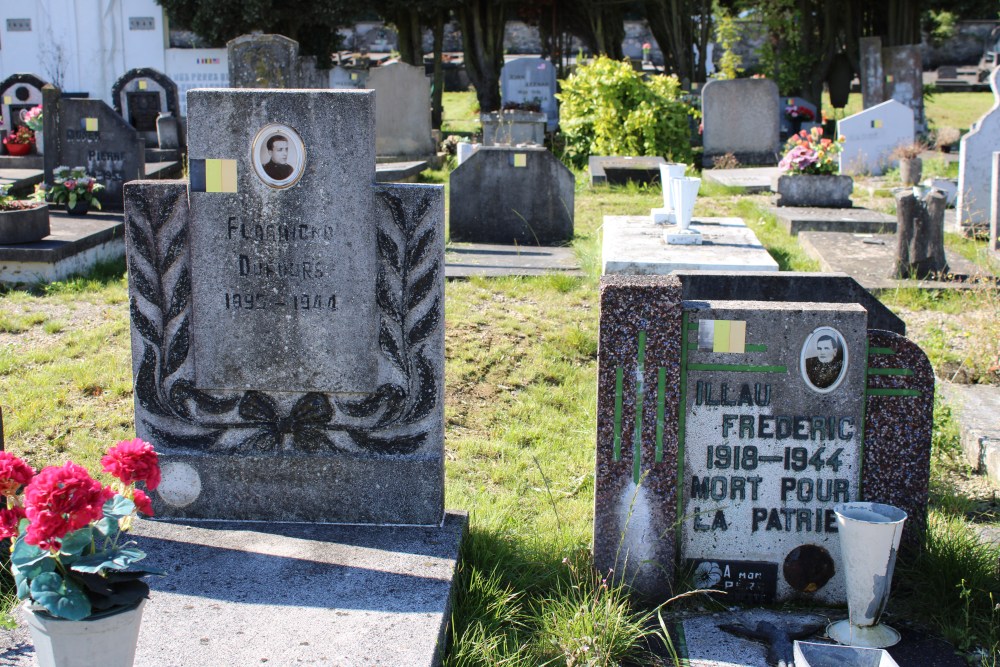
(773,400)
(746,582)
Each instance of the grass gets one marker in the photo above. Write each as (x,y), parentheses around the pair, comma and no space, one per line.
(461,113)
(520,422)
(958,110)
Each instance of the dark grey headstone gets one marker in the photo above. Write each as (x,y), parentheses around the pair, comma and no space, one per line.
(140,95)
(872,74)
(90,134)
(263,61)
(288,343)
(511,195)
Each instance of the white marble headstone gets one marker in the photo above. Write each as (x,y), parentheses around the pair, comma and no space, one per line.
(975,164)
(872,135)
(526,80)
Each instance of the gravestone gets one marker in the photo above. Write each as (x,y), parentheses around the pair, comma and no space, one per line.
(788,126)
(18,92)
(263,61)
(947,72)
(742,117)
(531,81)
(90,134)
(621,170)
(342,77)
(403,112)
(871,136)
(727,431)
(975,165)
(511,195)
(872,73)
(287,318)
(904,80)
(140,95)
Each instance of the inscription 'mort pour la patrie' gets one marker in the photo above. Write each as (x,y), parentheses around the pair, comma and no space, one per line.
(285,300)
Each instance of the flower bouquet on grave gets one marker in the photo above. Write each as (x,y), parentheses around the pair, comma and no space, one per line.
(33,118)
(808,152)
(20,142)
(72,187)
(67,557)
(797,112)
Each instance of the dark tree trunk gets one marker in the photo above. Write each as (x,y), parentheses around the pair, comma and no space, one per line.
(408,28)
(903,22)
(672,29)
(483,24)
(920,236)
(437,92)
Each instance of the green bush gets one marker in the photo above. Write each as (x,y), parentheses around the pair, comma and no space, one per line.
(610,109)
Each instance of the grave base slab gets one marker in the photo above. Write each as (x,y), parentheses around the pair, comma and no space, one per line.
(74,245)
(288,594)
(795,219)
(868,258)
(751,179)
(636,245)
(976,407)
(465,260)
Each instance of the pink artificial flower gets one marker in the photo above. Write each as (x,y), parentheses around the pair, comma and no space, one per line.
(9,520)
(14,473)
(60,500)
(142,502)
(133,461)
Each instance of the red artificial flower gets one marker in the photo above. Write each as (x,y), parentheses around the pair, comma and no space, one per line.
(14,473)
(9,519)
(142,502)
(61,500)
(133,461)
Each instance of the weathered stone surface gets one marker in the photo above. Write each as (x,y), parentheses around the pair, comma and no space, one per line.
(327,297)
(511,195)
(975,407)
(621,170)
(513,128)
(531,81)
(742,117)
(464,260)
(819,190)
(872,74)
(342,77)
(751,179)
(25,225)
(765,511)
(871,136)
(904,80)
(976,165)
(140,95)
(263,61)
(859,220)
(402,110)
(90,134)
(18,92)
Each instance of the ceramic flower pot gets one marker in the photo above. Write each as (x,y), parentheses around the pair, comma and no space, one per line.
(107,639)
(869,539)
(18,149)
(668,173)
(684,192)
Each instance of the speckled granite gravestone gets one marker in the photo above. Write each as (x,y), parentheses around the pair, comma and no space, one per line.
(728,430)
(287,318)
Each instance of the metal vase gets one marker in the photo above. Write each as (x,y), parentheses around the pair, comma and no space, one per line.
(869,540)
(683,193)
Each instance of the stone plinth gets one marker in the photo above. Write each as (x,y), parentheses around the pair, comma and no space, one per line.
(795,219)
(621,170)
(751,179)
(819,190)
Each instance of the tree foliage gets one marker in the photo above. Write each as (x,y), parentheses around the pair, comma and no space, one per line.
(610,109)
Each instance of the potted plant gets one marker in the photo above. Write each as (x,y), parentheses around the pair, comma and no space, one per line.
(72,187)
(20,142)
(798,114)
(81,584)
(22,221)
(810,173)
(910,164)
(33,119)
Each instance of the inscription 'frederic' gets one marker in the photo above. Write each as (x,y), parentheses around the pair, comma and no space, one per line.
(278,232)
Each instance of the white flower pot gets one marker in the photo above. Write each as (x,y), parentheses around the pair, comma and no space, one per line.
(106,640)
(683,193)
(869,540)
(668,172)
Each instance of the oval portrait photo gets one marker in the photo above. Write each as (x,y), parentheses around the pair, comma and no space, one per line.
(824,359)
(278,155)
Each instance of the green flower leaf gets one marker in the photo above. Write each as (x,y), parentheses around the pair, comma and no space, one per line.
(60,597)
(76,542)
(119,507)
(107,527)
(30,559)
(113,559)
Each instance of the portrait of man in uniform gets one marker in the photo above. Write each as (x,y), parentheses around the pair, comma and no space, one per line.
(278,155)
(824,358)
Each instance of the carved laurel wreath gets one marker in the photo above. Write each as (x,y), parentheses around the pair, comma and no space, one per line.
(388,421)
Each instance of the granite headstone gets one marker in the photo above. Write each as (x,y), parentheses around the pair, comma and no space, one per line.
(90,134)
(18,92)
(287,318)
(904,80)
(511,195)
(727,431)
(531,81)
(871,136)
(872,73)
(742,117)
(975,165)
(263,61)
(403,111)
(140,95)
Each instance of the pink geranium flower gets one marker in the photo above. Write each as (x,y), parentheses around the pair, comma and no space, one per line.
(60,500)
(14,473)
(133,461)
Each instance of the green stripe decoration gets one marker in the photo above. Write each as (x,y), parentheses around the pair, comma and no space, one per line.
(692,346)
(639,387)
(890,371)
(619,371)
(692,326)
(880,350)
(756,348)
(661,398)
(894,392)
(739,368)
